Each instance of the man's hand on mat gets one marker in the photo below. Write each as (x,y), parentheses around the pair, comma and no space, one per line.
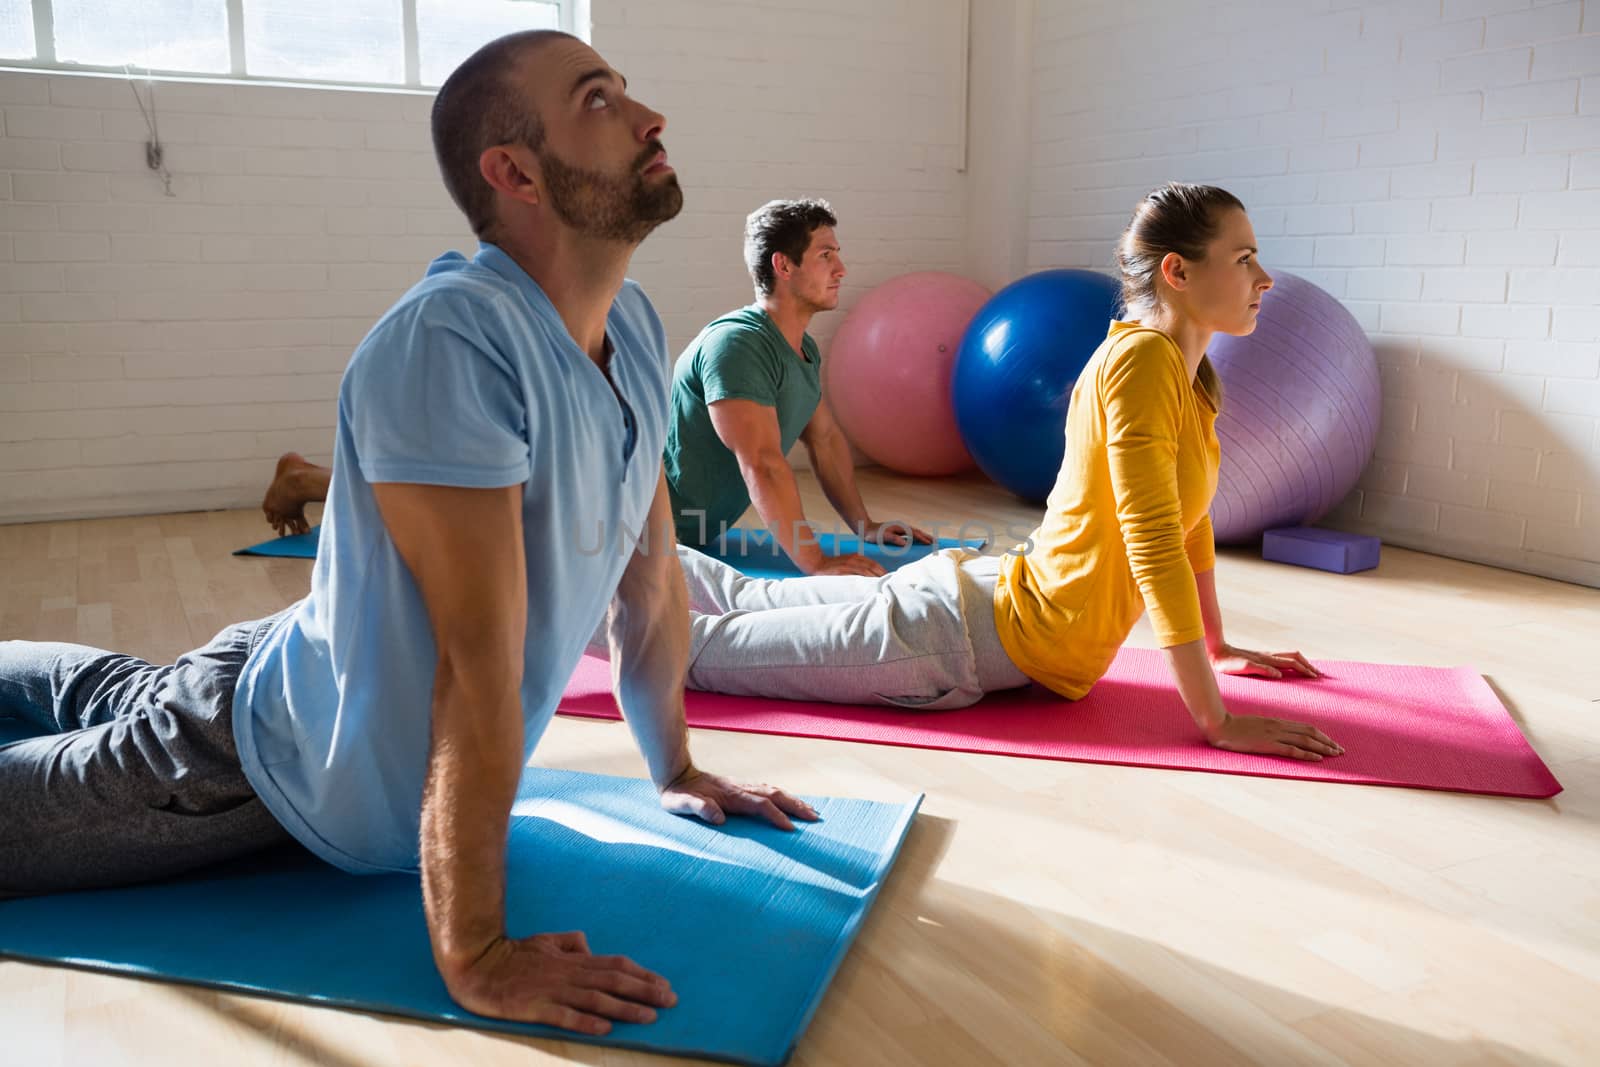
(852,565)
(1230,659)
(554,979)
(895,533)
(713,798)
(1273,737)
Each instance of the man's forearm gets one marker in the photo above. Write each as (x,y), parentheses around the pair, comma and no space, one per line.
(836,473)
(649,636)
(473,768)
(776,497)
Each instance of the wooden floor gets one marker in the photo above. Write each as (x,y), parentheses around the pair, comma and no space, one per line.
(1042,912)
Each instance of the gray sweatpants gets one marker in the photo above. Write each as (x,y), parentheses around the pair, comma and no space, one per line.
(920,637)
(126,770)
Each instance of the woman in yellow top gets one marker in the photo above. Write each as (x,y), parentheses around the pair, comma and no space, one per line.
(1126,530)
(1127,527)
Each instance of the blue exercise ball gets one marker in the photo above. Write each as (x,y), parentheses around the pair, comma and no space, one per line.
(1014,373)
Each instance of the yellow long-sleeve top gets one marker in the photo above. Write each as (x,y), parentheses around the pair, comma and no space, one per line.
(1127,526)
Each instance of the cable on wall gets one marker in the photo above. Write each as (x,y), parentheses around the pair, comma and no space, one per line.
(155,153)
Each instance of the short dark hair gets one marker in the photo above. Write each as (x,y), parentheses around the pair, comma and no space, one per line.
(782,226)
(479,107)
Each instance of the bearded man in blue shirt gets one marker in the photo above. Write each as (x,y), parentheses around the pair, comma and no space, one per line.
(497,495)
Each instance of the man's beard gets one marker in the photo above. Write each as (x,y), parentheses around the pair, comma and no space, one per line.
(611,208)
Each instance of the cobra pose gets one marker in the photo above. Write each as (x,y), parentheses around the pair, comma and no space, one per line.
(1126,530)
(384,721)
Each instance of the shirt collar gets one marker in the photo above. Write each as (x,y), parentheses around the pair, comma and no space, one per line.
(495,258)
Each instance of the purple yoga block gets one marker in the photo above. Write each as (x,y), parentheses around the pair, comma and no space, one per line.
(1326,550)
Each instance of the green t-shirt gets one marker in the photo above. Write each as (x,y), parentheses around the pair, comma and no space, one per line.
(740,356)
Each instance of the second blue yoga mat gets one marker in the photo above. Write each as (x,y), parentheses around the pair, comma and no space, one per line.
(295,546)
(755,552)
(758,554)
(748,922)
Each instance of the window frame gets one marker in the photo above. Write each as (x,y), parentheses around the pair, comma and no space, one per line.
(573,16)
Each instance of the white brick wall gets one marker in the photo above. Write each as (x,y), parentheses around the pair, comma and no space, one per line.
(1433,163)
(162,350)
(156,353)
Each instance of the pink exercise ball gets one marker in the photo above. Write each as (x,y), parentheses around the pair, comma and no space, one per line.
(887,375)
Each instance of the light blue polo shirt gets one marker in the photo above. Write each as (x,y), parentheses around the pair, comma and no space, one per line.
(470,380)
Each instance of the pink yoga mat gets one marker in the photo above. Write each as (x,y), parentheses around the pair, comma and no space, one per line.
(1425,727)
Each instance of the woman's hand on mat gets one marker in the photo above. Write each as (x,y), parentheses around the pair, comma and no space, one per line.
(895,533)
(554,979)
(847,566)
(1273,737)
(1230,659)
(713,798)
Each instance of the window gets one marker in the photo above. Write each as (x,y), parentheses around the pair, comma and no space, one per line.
(314,40)
(449,31)
(413,43)
(159,34)
(16,28)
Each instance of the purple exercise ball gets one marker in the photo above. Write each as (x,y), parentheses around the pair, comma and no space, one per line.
(1300,406)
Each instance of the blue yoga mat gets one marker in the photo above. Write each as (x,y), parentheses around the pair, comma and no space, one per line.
(756,552)
(748,922)
(295,546)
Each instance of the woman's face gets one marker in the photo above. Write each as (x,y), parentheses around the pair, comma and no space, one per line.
(1224,290)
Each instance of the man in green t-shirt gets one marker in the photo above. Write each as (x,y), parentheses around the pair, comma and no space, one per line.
(743,392)
(749,386)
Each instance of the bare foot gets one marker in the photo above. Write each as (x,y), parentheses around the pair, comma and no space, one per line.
(295,483)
